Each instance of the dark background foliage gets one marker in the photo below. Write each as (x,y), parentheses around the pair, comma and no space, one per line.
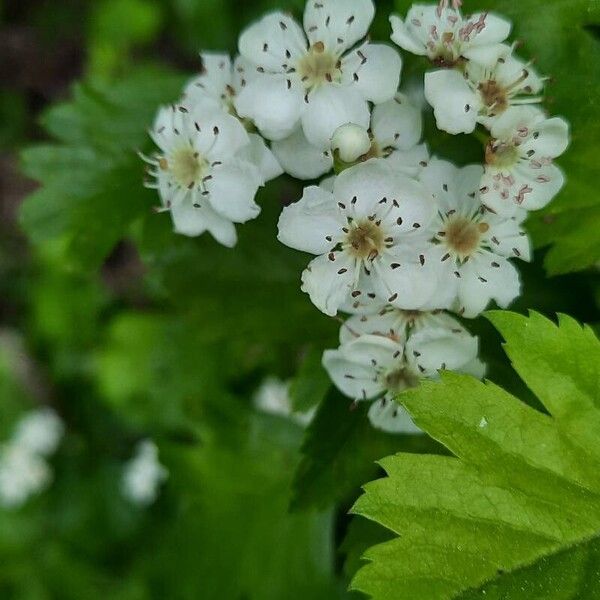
(129,331)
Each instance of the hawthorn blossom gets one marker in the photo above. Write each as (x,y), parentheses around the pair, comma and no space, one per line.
(40,432)
(143,475)
(447,38)
(367,236)
(394,133)
(480,93)
(24,470)
(519,172)
(316,77)
(381,356)
(474,244)
(22,474)
(201,175)
(219,83)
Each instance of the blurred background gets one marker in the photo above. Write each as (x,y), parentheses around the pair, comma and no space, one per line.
(131,333)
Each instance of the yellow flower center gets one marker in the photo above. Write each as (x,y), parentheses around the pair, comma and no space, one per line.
(318,66)
(186,166)
(365,240)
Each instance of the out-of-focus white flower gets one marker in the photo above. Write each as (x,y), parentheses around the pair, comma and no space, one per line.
(315,77)
(273,397)
(39,432)
(480,93)
(201,175)
(380,356)
(368,236)
(23,473)
(447,38)
(394,133)
(217,86)
(474,244)
(143,475)
(519,171)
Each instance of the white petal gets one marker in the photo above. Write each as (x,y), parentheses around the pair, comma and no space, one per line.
(216,134)
(232,190)
(404,38)
(511,69)
(454,104)
(397,123)
(212,83)
(387,323)
(369,183)
(454,188)
(364,299)
(273,105)
(496,29)
(475,368)
(338,24)
(410,162)
(386,414)
(507,238)
(329,282)
(301,159)
(480,283)
(514,120)
(329,107)
(374,69)
(408,280)
(485,55)
(313,224)
(431,350)
(192,222)
(273,42)
(259,154)
(550,138)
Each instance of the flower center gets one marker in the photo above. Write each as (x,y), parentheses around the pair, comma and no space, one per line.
(365,240)
(186,166)
(501,154)
(400,380)
(318,66)
(494,96)
(463,236)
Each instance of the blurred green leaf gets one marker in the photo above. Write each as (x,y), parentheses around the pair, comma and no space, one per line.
(92,182)
(340,451)
(310,385)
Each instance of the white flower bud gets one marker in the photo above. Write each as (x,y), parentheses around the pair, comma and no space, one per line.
(351,142)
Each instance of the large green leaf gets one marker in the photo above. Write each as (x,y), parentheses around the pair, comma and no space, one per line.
(92,178)
(556,35)
(519,504)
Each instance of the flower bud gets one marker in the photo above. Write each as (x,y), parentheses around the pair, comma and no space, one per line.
(351,142)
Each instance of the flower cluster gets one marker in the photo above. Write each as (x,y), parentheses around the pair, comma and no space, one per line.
(400,239)
(24,470)
(143,475)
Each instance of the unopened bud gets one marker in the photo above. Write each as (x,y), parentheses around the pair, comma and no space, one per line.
(351,142)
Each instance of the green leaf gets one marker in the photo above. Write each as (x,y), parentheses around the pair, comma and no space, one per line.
(92,179)
(557,35)
(310,385)
(339,453)
(520,501)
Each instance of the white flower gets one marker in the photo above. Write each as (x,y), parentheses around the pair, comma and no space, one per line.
(367,235)
(273,397)
(394,133)
(143,475)
(39,432)
(474,244)
(449,39)
(202,178)
(381,356)
(460,100)
(314,78)
(23,473)
(217,86)
(519,171)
